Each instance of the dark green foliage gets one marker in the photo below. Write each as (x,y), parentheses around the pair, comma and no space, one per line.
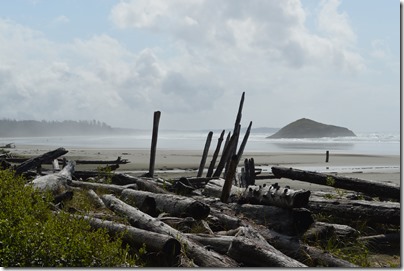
(31,235)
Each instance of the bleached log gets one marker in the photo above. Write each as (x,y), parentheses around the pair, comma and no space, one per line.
(214,189)
(144,184)
(169,203)
(110,188)
(200,255)
(95,198)
(258,254)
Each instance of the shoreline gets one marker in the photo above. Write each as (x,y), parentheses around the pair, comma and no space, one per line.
(185,163)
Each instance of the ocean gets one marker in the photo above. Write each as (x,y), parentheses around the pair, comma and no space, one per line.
(364,143)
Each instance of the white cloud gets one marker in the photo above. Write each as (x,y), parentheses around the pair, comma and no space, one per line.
(62,19)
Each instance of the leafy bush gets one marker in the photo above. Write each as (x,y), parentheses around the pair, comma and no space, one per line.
(31,235)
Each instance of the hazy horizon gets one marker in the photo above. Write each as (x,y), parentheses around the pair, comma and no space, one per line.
(333,61)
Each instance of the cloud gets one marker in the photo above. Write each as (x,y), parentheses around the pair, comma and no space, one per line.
(62,19)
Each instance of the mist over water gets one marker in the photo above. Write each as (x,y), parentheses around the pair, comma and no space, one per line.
(365,143)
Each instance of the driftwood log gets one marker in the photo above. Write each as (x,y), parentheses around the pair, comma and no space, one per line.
(287,221)
(34,162)
(167,246)
(251,248)
(110,188)
(169,203)
(371,188)
(372,211)
(200,255)
(142,183)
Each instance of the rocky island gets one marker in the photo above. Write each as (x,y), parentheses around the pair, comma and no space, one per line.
(306,128)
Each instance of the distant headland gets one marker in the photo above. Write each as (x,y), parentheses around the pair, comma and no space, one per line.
(306,128)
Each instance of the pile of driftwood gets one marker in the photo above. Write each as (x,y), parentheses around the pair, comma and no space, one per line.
(186,222)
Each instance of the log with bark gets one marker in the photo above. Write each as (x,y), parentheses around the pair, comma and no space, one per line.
(167,247)
(276,196)
(170,203)
(372,188)
(34,162)
(371,211)
(200,255)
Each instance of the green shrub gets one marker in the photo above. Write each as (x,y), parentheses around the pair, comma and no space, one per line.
(31,235)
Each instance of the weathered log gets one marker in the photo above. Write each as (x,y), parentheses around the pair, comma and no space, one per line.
(218,243)
(169,203)
(256,254)
(110,188)
(215,155)
(322,232)
(142,183)
(205,154)
(304,253)
(372,211)
(57,183)
(95,198)
(187,224)
(287,221)
(200,255)
(383,190)
(34,162)
(167,246)
(215,186)
(275,196)
(220,221)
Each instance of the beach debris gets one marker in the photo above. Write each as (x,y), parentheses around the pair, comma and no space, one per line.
(57,183)
(37,161)
(175,205)
(372,188)
(167,247)
(199,254)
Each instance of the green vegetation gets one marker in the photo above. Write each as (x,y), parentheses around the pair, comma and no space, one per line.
(31,235)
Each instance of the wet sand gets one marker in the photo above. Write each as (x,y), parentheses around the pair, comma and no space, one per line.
(184,163)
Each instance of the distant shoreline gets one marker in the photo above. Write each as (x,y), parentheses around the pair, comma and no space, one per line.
(184,163)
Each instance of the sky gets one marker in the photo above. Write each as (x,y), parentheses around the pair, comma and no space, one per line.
(332,61)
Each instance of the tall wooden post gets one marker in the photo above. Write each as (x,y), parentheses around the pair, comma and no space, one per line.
(156,121)
(205,154)
(327,155)
(215,154)
(244,142)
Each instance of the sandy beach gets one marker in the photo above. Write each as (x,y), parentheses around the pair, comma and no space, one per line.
(184,163)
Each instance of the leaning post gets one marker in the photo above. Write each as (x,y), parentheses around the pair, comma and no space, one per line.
(205,154)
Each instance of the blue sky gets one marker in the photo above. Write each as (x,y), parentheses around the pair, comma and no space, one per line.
(334,61)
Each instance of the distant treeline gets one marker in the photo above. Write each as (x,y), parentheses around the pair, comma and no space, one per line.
(29,128)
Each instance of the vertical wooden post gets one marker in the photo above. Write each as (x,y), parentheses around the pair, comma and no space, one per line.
(215,154)
(156,120)
(251,167)
(327,155)
(246,173)
(205,154)
(229,179)
(232,149)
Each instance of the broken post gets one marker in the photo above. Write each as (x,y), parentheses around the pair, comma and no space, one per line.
(327,155)
(205,154)
(229,179)
(215,154)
